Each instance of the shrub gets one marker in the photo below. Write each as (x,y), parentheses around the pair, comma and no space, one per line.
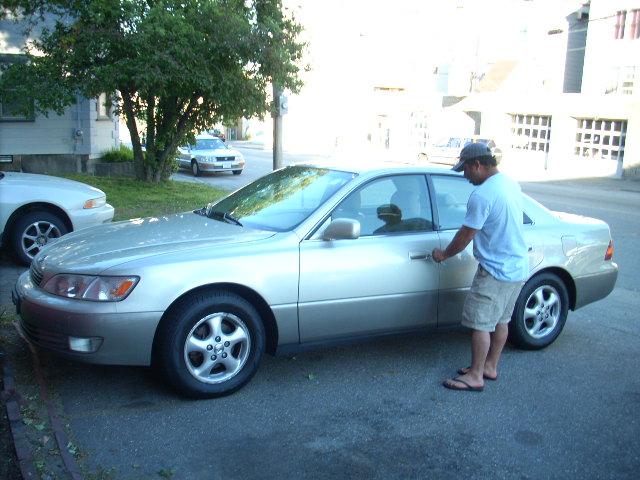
(116,155)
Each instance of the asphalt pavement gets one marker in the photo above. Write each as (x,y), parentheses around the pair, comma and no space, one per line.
(374,410)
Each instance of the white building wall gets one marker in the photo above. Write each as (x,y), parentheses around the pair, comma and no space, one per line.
(605,53)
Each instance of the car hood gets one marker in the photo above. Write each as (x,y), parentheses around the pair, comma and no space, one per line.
(35,182)
(98,248)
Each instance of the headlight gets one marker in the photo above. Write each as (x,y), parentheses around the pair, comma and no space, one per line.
(95,202)
(86,287)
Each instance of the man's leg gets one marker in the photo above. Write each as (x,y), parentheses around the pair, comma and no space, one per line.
(498,340)
(480,345)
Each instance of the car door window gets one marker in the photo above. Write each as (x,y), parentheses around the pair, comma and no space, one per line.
(451,196)
(394,204)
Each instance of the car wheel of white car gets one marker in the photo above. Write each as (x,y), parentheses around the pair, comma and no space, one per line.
(237,172)
(540,312)
(33,231)
(210,344)
(195,168)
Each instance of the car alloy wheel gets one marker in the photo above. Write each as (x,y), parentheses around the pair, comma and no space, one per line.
(33,231)
(217,347)
(209,343)
(540,312)
(195,168)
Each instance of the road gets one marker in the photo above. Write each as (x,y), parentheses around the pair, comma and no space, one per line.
(377,410)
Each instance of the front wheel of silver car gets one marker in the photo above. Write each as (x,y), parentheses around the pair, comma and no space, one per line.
(540,312)
(210,344)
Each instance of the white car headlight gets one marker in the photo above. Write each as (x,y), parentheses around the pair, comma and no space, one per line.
(87,287)
(95,202)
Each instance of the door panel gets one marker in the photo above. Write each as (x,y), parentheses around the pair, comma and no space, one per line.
(383,281)
(368,285)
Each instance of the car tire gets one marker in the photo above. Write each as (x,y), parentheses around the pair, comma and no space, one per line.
(540,312)
(33,231)
(195,168)
(210,344)
(237,172)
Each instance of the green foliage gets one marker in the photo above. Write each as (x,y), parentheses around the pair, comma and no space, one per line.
(176,66)
(117,155)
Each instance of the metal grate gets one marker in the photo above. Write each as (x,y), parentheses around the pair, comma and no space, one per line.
(225,159)
(44,338)
(36,274)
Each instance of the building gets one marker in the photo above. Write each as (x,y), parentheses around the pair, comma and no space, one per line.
(575,107)
(65,143)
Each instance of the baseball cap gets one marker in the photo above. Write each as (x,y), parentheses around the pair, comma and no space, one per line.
(470,152)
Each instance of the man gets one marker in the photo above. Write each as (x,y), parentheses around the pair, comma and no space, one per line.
(494,223)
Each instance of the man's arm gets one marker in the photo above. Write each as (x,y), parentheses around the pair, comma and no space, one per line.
(462,238)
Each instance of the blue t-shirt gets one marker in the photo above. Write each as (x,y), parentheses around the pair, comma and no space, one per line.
(495,210)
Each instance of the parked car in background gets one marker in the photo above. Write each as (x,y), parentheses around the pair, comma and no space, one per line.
(447,149)
(210,154)
(37,209)
(305,256)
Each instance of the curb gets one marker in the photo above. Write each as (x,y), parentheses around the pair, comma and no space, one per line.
(21,444)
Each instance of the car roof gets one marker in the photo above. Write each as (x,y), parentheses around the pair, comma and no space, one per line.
(377,168)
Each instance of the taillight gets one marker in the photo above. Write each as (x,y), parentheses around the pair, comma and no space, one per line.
(609,254)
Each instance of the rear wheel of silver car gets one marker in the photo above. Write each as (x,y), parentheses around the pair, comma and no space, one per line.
(195,168)
(211,344)
(237,172)
(33,231)
(540,312)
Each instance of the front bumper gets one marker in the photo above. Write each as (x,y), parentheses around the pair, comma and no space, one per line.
(90,217)
(218,166)
(51,322)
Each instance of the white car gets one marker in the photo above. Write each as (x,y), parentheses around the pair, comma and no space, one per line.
(36,209)
(210,154)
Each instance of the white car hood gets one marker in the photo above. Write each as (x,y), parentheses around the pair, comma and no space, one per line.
(93,250)
(34,183)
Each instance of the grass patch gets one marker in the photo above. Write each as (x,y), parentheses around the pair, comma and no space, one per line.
(134,199)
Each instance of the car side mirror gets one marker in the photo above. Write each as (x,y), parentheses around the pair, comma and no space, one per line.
(342,229)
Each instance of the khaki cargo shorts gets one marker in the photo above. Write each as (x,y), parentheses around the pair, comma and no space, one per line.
(489,302)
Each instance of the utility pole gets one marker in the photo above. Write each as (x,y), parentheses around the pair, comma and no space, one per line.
(277,127)
(281,107)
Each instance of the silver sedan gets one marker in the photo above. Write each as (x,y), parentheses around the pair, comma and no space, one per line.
(305,256)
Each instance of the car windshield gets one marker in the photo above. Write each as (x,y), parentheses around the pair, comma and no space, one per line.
(281,200)
(209,144)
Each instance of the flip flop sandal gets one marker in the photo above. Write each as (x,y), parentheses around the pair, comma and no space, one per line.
(467,388)
(463,371)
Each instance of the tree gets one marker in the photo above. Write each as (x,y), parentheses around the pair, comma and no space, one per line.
(176,66)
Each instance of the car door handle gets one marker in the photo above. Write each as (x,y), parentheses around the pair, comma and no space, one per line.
(419,256)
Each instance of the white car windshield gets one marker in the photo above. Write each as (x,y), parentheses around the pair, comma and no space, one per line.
(281,200)
(209,144)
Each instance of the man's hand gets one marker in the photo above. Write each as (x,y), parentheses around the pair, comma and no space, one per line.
(438,255)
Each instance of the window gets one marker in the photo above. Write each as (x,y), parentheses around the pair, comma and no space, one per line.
(600,138)
(389,205)
(13,110)
(621,18)
(452,195)
(103,106)
(635,25)
(622,80)
(535,136)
